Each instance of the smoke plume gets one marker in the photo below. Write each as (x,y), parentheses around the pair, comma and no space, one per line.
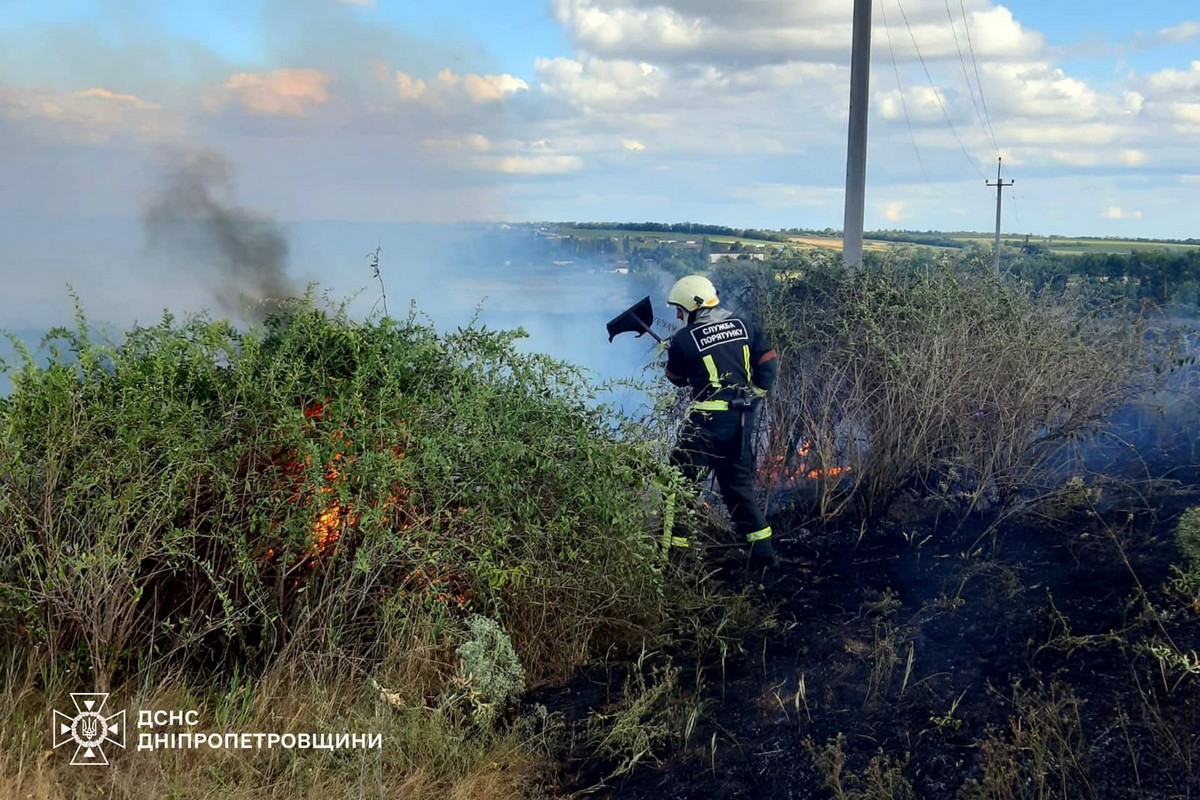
(241,256)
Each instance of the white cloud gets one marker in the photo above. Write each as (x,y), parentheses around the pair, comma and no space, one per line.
(534,165)
(1174,81)
(1184,31)
(482,88)
(408,87)
(1133,158)
(283,92)
(614,29)
(633,145)
(88,115)
(1184,112)
(999,35)
(449,87)
(1075,158)
(118,97)
(599,83)
(1116,212)
(1039,89)
(474,142)
(1091,134)
(927,33)
(923,104)
(893,211)
(778,32)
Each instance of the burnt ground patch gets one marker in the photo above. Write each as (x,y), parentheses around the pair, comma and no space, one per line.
(1043,659)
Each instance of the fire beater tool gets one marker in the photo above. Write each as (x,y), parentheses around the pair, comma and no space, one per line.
(635,319)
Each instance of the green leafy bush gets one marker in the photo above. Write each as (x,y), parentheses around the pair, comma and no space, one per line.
(206,497)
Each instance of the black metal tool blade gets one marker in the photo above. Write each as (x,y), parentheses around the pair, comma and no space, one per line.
(636,319)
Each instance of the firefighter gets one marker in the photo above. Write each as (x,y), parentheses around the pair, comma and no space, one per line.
(729,366)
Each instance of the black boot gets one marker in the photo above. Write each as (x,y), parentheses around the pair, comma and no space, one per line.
(762,554)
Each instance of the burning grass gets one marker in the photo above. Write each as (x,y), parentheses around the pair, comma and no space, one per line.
(937,381)
(780,471)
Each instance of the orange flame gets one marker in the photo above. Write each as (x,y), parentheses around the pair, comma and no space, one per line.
(334,518)
(779,470)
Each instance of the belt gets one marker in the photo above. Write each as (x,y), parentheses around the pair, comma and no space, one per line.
(738,404)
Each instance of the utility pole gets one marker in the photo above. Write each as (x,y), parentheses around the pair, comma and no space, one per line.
(856,148)
(999,184)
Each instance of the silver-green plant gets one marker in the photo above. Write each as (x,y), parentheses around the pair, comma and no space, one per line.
(491,676)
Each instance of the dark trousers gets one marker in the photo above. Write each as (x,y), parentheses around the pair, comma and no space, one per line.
(717,440)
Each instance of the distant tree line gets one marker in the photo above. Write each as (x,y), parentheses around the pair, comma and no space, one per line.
(1163,276)
(682,227)
(931,238)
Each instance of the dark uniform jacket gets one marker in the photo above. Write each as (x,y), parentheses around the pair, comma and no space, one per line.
(718,355)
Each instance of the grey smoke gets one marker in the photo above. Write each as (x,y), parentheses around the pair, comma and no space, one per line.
(242,256)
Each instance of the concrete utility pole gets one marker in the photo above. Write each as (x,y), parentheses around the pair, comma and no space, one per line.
(999,184)
(856,149)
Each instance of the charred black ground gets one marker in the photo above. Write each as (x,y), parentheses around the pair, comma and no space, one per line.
(936,660)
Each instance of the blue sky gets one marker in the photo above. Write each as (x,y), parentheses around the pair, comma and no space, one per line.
(701,110)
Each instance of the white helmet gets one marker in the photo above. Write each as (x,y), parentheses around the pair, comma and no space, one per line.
(693,292)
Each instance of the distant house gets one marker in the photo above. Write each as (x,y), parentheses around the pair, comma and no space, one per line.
(713,258)
(621,270)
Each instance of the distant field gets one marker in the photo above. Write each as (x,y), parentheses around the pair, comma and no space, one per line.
(1080,246)
(1056,244)
(835,242)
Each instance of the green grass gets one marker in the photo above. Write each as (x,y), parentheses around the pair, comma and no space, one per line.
(1076,245)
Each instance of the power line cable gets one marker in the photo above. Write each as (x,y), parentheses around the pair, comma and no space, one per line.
(962,61)
(937,96)
(975,63)
(903,105)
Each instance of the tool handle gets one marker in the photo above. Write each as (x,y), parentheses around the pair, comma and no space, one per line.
(650,331)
